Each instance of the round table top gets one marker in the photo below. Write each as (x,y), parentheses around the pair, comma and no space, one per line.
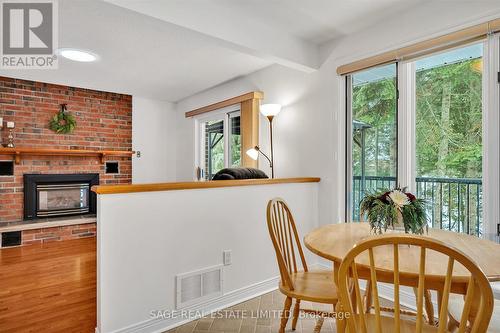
(335,240)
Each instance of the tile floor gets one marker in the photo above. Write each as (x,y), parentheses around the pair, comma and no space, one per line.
(257,315)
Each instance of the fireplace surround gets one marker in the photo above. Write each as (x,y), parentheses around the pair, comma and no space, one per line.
(52,195)
(104,124)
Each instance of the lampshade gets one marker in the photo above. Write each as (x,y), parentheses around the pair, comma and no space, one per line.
(253,154)
(270,109)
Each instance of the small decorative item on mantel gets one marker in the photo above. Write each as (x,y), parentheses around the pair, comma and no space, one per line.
(10,126)
(395,209)
(62,122)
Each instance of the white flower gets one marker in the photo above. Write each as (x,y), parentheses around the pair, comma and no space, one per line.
(399,198)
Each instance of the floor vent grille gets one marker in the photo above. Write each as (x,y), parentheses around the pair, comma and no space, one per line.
(198,286)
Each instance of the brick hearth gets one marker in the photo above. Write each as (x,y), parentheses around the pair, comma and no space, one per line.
(58,233)
(104,121)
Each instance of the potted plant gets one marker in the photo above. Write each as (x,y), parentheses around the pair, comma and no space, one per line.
(396,209)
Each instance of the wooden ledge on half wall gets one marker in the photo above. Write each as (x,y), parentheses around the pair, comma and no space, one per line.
(112,189)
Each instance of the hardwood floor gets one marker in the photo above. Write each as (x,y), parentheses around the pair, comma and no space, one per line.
(49,287)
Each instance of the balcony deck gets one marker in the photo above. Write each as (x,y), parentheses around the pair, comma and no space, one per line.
(453,203)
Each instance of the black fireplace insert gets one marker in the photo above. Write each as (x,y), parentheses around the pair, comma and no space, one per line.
(59,195)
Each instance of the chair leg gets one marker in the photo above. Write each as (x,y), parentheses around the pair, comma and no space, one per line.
(429,308)
(452,324)
(319,324)
(368,297)
(286,314)
(296,310)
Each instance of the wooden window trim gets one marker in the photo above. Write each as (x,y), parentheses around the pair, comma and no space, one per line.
(454,39)
(254,95)
(249,121)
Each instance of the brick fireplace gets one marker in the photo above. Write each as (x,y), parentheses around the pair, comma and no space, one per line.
(104,122)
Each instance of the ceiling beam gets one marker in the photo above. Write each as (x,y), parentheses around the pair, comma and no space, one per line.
(231,30)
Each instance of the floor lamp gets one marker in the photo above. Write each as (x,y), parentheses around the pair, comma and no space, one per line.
(269,111)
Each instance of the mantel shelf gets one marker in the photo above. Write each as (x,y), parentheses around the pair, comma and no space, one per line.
(101,154)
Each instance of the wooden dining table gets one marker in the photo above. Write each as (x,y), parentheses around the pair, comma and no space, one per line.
(334,241)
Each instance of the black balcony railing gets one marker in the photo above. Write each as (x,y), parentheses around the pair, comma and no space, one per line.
(452,203)
(366,185)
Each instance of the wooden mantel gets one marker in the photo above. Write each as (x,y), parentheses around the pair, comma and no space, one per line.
(101,154)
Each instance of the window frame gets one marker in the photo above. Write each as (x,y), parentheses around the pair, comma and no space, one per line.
(229,116)
(491,136)
(222,114)
(348,153)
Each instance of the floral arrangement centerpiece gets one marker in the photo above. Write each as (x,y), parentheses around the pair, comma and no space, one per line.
(397,209)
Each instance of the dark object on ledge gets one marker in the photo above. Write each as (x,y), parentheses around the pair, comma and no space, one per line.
(239,173)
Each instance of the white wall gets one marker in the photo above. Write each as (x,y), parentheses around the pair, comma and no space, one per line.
(162,234)
(154,135)
(309,132)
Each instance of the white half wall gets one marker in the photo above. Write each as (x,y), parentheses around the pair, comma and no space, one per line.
(145,239)
(154,135)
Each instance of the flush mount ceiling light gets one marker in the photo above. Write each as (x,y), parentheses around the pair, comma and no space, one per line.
(77,55)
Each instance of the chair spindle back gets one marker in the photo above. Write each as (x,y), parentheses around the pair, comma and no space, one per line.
(478,286)
(285,240)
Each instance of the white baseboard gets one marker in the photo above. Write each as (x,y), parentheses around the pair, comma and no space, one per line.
(226,300)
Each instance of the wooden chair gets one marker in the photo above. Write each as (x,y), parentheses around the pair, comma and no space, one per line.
(455,308)
(296,283)
(477,288)
(429,307)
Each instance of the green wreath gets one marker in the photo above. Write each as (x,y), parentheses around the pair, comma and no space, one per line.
(62,122)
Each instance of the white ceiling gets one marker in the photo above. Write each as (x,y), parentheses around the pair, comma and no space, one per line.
(138,54)
(287,32)
(314,20)
(171,49)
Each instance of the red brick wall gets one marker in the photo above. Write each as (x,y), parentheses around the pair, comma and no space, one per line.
(46,235)
(104,121)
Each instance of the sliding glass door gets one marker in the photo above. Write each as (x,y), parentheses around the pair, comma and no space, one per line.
(439,130)
(373,133)
(449,136)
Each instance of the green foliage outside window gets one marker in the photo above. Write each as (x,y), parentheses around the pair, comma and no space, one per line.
(374,104)
(236,150)
(214,147)
(448,138)
(448,122)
